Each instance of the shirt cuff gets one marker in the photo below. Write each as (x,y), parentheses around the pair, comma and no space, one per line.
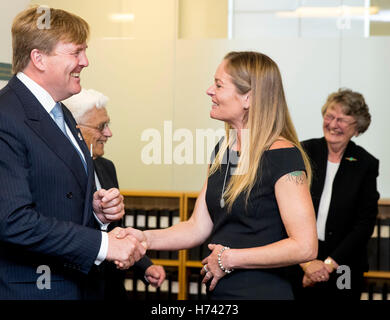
(103,226)
(103,249)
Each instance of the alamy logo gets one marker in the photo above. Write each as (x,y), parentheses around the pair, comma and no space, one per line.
(180,146)
(43,21)
(344,280)
(44,280)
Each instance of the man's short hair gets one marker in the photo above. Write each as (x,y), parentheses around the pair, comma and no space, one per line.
(79,104)
(28,33)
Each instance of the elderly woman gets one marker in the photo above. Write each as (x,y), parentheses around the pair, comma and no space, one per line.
(345,199)
(89,110)
(255,203)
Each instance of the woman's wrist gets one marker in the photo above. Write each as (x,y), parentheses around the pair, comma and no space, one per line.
(148,236)
(305,265)
(224,261)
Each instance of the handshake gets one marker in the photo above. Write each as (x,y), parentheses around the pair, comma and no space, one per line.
(126,246)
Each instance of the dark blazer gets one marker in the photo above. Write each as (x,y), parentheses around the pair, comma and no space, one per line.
(114,278)
(354,201)
(45,202)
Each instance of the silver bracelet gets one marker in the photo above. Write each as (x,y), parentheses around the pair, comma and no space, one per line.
(220,261)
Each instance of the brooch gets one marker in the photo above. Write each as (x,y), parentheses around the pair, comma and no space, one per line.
(350,158)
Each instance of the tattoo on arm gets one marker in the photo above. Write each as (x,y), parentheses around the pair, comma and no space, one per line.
(296,176)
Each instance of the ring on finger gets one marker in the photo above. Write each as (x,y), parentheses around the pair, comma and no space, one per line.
(205,268)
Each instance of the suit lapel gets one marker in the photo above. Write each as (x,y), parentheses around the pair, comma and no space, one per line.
(45,127)
(348,161)
(78,137)
(342,178)
(87,217)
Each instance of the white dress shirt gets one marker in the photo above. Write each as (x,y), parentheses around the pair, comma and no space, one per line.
(48,103)
(323,209)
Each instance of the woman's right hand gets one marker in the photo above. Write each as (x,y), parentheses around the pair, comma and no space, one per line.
(138,234)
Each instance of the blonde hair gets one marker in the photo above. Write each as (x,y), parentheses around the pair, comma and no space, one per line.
(28,35)
(268,119)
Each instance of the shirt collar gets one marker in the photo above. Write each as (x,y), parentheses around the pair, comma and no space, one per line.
(41,94)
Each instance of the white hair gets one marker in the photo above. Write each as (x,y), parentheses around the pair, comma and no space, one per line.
(84,101)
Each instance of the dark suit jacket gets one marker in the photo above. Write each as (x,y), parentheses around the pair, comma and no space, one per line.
(354,202)
(45,202)
(114,288)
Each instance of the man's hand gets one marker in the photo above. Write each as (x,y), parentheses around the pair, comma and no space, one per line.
(155,275)
(125,251)
(108,205)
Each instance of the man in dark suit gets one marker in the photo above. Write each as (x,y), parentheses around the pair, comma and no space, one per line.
(50,216)
(89,110)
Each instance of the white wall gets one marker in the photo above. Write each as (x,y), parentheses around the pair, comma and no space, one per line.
(202,19)
(151,76)
(8,10)
(262,18)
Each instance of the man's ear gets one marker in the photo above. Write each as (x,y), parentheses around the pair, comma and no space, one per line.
(38,59)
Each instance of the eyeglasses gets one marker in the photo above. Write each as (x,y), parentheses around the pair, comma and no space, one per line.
(100,128)
(342,122)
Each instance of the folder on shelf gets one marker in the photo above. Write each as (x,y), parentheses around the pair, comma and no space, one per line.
(141,219)
(379,246)
(193,286)
(152,219)
(129,217)
(196,289)
(164,218)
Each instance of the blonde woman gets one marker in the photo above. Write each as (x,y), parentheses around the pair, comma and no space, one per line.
(255,203)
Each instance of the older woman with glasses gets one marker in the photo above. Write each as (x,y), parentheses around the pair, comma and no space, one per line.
(345,198)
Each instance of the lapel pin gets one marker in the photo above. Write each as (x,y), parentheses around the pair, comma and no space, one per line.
(351,159)
(80,137)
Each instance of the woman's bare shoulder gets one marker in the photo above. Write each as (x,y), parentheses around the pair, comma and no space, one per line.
(281,143)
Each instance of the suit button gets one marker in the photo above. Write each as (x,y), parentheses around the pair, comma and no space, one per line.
(69,195)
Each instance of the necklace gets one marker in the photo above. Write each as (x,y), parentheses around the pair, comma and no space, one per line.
(222,200)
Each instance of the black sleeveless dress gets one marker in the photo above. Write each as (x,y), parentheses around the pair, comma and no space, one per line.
(257,224)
